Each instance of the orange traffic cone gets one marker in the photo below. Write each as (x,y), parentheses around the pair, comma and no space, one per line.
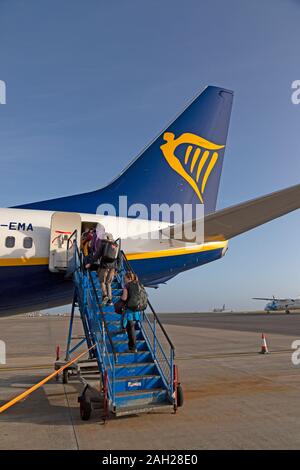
(264,346)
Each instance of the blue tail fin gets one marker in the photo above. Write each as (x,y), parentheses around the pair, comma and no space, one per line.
(183,165)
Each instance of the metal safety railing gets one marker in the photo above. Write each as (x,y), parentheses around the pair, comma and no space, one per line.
(93,319)
(158,340)
(97,332)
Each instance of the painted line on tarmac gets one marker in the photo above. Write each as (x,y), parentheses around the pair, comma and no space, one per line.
(181,358)
(234,354)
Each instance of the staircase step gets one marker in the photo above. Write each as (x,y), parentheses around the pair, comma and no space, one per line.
(116,326)
(130,357)
(117,291)
(135,368)
(141,397)
(122,346)
(115,321)
(135,383)
(110,315)
(122,336)
(117,340)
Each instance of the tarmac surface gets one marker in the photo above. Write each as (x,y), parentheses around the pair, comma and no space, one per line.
(235,398)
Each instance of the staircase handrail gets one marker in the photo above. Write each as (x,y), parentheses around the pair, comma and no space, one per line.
(90,278)
(160,355)
(129,268)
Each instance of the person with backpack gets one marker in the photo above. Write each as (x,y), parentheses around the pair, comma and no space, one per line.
(133,300)
(107,255)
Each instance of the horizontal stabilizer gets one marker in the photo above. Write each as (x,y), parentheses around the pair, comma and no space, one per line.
(232,221)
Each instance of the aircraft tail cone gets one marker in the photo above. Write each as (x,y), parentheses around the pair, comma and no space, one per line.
(264,346)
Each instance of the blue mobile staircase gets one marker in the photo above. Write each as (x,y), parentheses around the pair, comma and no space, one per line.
(128,382)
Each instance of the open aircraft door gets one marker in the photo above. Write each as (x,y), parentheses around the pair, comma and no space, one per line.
(62,248)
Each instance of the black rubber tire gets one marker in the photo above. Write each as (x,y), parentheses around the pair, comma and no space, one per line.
(287,312)
(65,377)
(85,410)
(179,396)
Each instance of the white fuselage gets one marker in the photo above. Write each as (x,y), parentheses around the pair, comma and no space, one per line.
(28,282)
(22,223)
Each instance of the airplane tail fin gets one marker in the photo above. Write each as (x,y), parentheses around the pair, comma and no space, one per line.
(181,166)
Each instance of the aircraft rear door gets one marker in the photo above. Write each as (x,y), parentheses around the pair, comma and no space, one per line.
(63,225)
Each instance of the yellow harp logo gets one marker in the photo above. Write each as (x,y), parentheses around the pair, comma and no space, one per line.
(198,152)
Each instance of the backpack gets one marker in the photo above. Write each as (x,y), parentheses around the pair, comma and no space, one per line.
(137,297)
(110,251)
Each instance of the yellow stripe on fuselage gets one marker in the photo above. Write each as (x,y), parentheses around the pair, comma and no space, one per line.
(177,251)
(130,256)
(23,261)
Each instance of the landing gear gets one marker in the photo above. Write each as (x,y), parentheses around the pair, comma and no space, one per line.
(287,311)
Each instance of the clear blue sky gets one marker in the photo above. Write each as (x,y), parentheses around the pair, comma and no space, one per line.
(80,73)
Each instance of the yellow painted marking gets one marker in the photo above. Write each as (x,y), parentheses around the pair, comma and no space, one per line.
(23,261)
(176,251)
(130,256)
(187,154)
(209,170)
(195,158)
(202,163)
(169,147)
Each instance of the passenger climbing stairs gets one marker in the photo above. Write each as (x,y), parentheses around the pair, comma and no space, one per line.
(115,379)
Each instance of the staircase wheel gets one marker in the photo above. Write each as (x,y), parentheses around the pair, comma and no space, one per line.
(65,377)
(179,396)
(85,409)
